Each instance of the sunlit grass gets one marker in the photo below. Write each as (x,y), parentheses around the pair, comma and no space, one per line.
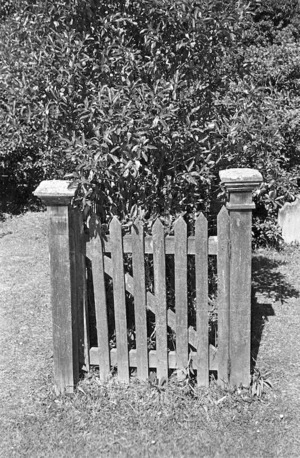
(140,419)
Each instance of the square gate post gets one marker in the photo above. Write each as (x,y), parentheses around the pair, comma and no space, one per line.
(57,196)
(239,184)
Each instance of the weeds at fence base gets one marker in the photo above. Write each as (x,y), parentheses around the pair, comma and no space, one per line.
(260,381)
(179,388)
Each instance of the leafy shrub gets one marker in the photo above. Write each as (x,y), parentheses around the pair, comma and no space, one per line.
(19,172)
(259,125)
(122,93)
(144,102)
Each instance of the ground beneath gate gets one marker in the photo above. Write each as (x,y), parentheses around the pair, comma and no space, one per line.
(140,420)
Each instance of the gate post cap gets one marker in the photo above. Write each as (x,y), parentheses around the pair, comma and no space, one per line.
(239,184)
(240,179)
(55,192)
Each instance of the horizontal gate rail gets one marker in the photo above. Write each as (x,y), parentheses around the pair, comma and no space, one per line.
(169,244)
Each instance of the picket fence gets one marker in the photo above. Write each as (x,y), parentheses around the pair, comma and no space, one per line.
(80,262)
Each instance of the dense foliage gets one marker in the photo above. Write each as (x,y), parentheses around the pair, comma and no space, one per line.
(144,102)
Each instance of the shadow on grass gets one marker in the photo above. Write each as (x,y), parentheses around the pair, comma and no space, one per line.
(268,286)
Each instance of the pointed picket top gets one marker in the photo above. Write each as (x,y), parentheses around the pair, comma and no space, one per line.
(223,221)
(223,213)
(179,223)
(201,225)
(200,220)
(158,223)
(115,223)
(158,227)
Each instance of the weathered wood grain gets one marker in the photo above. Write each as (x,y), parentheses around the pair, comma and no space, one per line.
(62,248)
(151,303)
(140,310)
(181,306)
(159,263)
(201,267)
(169,244)
(119,299)
(213,359)
(96,257)
(223,227)
(80,287)
(240,297)
(239,184)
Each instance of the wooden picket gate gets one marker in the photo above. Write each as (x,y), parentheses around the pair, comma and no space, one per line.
(179,245)
(70,250)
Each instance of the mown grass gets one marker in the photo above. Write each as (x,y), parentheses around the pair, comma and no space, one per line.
(141,419)
(138,420)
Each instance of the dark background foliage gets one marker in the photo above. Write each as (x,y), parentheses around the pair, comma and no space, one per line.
(144,102)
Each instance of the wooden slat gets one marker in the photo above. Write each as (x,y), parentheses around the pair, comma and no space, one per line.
(151,303)
(96,256)
(80,287)
(119,299)
(83,298)
(140,312)
(223,267)
(159,263)
(94,358)
(169,244)
(181,293)
(201,264)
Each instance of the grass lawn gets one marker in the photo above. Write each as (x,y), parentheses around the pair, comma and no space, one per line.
(140,419)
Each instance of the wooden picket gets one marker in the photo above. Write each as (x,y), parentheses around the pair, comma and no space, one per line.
(159,266)
(201,264)
(119,299)
(97,258)
(139,289)
(181,304)
(190,342)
